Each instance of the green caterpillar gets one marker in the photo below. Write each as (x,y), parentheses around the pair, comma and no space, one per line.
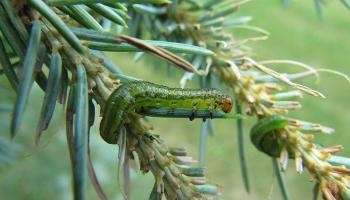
(263,135)
(140,96)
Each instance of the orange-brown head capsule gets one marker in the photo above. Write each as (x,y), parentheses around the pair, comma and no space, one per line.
(227,104)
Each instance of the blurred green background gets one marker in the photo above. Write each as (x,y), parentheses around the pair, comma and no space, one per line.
(295,33)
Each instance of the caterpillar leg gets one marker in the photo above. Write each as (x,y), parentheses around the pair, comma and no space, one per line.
(211,114)
(192,116)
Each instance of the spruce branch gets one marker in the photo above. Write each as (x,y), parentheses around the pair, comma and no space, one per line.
(69,37)
(84,73)
(256,86)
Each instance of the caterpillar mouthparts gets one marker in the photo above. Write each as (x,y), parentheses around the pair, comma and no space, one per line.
(138,96)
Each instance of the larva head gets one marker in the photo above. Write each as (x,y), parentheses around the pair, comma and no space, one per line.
(226,104)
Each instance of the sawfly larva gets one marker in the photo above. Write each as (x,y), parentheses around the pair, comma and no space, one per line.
(263,134)
(140,96)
